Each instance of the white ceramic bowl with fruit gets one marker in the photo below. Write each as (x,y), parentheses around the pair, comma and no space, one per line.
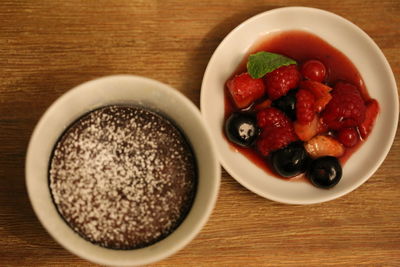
(346,116)
(120,90)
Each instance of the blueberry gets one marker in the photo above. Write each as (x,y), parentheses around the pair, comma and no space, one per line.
(287,104)
(241,128)
(290,160)
(325,172)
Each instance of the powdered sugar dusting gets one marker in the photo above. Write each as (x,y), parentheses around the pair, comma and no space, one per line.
(123,177)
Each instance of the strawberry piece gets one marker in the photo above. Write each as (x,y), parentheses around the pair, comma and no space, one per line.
(320,92)
(281,80)
(305,106)
(371,112)
(244,90)
(272,117)
(322,145)
(346,108)
(265,104)
(273,138)
(307,131)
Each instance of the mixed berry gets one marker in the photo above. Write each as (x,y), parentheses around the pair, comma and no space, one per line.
(294,119)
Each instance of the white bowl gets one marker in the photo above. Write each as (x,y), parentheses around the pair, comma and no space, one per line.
(344,36)
(121,89)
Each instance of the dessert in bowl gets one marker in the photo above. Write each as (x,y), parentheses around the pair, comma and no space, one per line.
(300,35)
(122,171)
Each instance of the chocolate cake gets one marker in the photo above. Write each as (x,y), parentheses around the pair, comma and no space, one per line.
(123,177)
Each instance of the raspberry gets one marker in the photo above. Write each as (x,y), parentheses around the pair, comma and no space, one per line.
(245,90)
(273,138)
(305,106)
(346,108)
(272,117)
(281,80)
(345,88)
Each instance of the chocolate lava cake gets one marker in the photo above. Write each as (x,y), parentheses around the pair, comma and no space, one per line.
(123,177)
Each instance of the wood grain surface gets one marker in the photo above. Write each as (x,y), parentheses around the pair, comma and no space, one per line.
(49,46)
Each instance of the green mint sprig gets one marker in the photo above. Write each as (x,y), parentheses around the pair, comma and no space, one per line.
(262,63)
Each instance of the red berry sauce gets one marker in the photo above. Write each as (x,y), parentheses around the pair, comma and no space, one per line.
(301,46)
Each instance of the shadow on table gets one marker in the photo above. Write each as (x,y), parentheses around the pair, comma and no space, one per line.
(21,231)
(198,61)
(202,54)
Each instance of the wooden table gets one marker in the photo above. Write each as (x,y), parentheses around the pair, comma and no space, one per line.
(47,47)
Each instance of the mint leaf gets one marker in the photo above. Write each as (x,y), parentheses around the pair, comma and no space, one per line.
(262,63)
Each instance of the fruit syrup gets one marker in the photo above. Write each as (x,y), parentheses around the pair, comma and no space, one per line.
(300,46)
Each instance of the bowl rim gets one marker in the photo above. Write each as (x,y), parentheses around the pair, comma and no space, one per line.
(379,53)
(155,255)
